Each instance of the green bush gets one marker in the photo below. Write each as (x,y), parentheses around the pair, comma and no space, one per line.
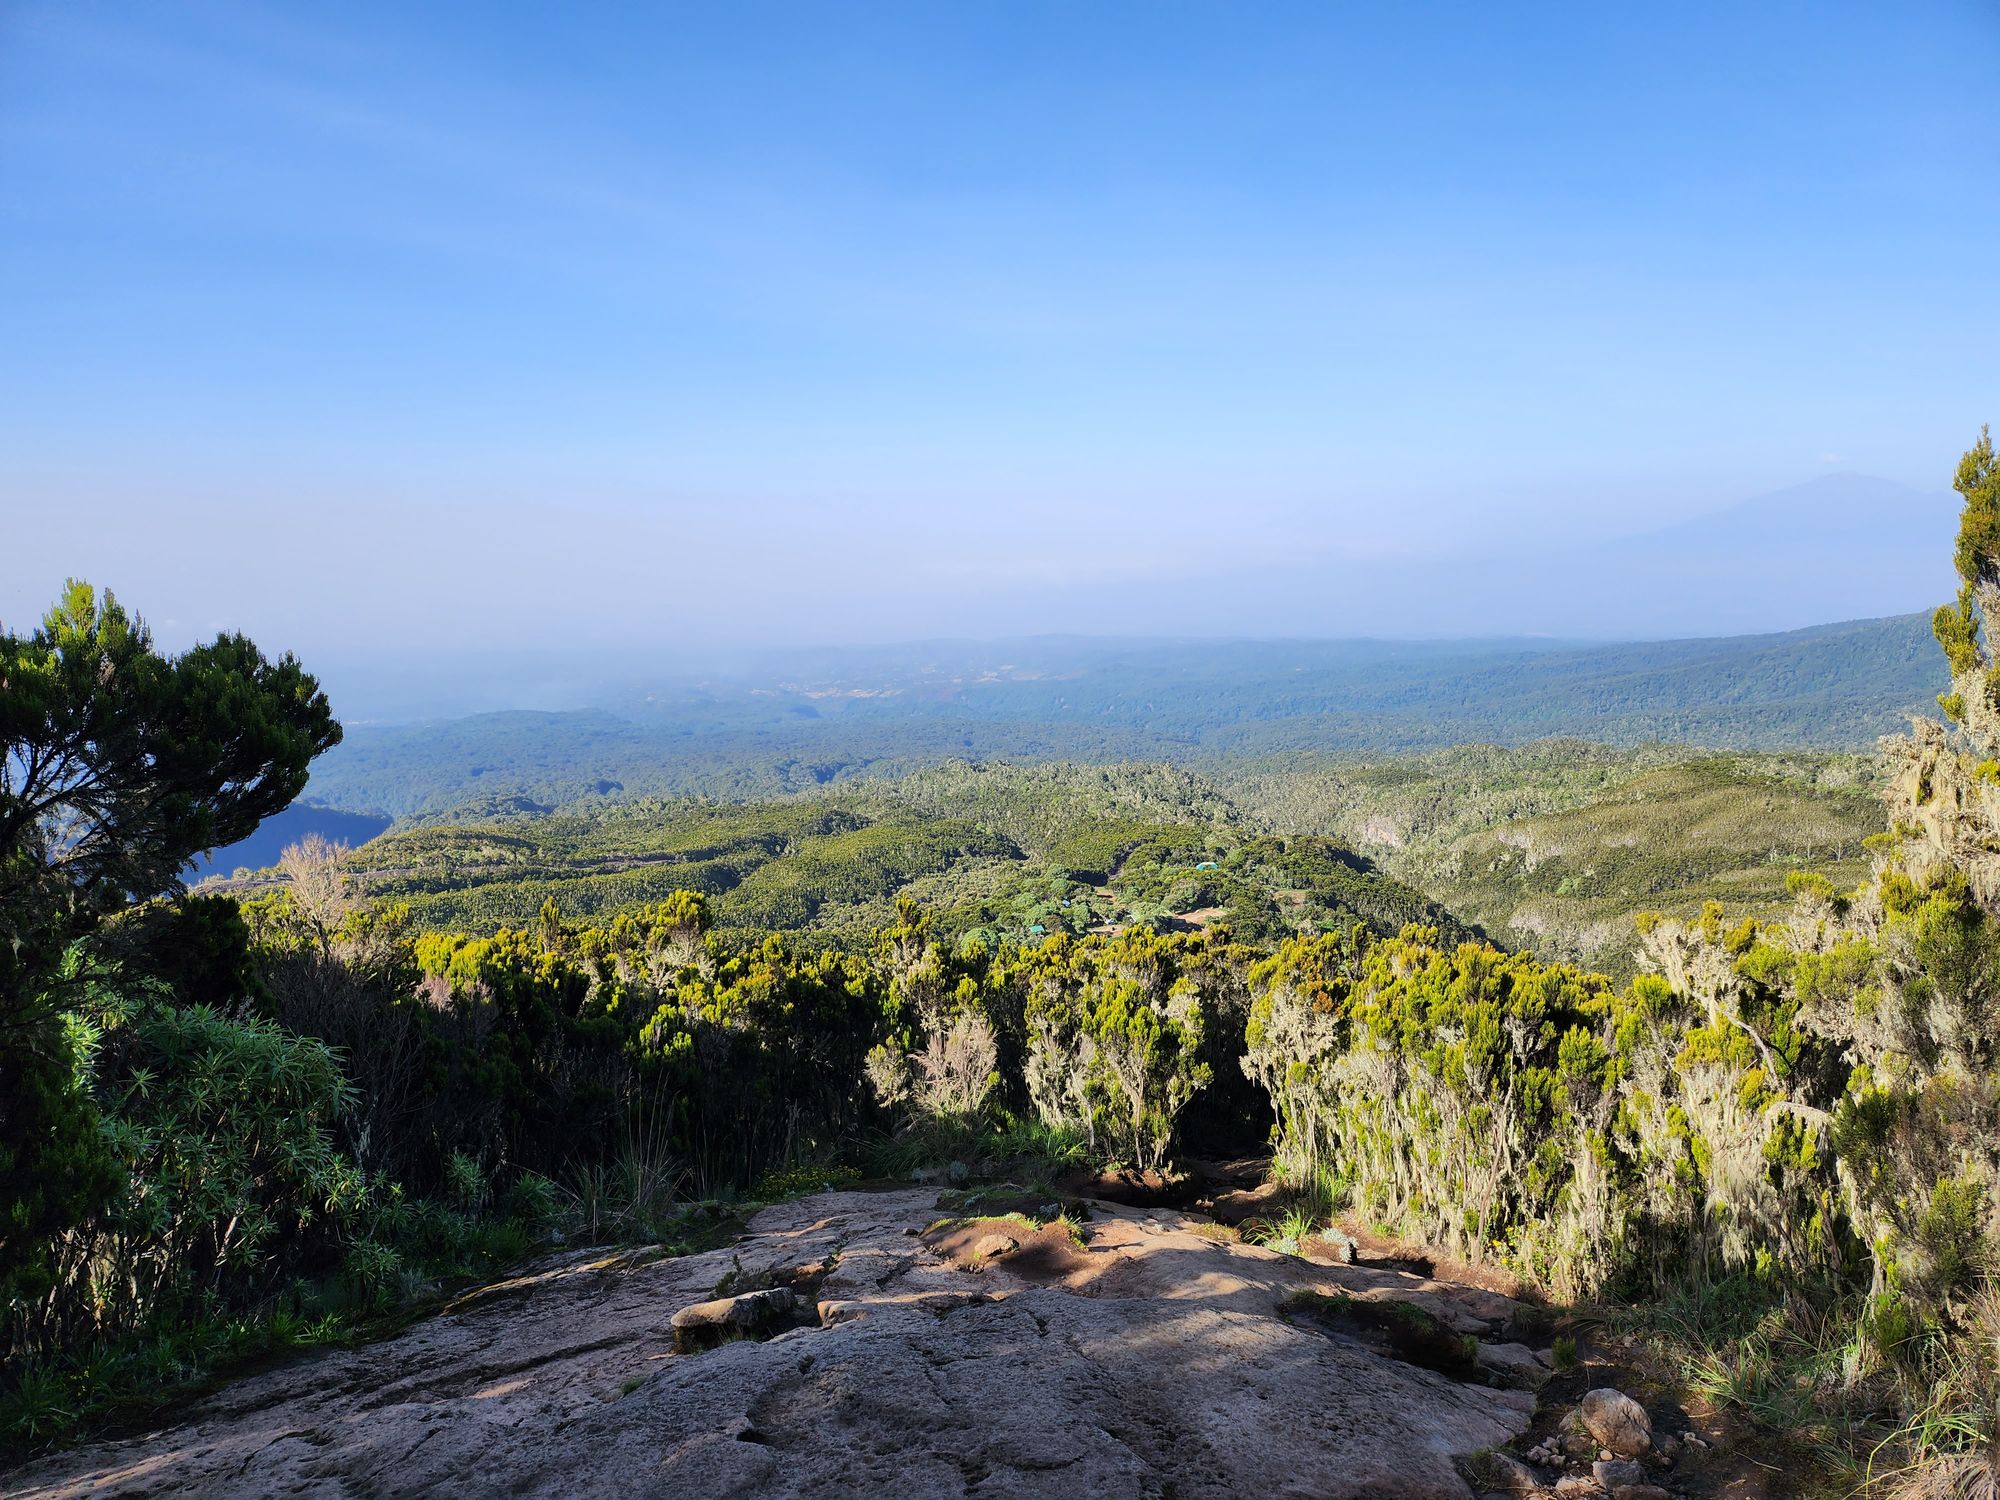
(1465,1097)
(229,1179)
(1117,1034)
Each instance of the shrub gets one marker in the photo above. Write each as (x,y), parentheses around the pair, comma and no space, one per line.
(1117,1036)
(1466,1097)
(229,1178)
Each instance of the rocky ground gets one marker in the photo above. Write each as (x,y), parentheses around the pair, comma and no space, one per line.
(913,1343)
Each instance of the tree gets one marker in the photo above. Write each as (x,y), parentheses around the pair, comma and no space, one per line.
(316,868)
(117,766)
(1971,703)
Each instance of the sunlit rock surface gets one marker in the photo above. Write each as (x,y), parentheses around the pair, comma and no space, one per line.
(980,1358)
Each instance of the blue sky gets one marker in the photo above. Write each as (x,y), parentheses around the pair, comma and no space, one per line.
(377,328)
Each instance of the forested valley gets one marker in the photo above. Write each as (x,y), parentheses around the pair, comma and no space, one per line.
(1555,846)
(1693,1046)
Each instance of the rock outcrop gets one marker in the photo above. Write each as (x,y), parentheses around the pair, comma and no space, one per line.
(723,1319)
(977,1358)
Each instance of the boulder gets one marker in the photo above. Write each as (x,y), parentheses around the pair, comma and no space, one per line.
(1616,1421)
(1614,1472)
(1513,1364)
(1505,1474)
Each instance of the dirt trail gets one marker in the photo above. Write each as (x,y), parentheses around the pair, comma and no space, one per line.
(988,1358)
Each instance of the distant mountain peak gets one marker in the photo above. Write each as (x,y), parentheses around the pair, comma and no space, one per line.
(1843,505)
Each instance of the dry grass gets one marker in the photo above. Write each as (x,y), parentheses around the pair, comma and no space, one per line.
(1222,1234)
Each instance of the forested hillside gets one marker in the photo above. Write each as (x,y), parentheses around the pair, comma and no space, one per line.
(793,724)
(1556,847)
(996,852)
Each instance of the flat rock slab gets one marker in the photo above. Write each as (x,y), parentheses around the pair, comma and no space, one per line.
(1153,1362)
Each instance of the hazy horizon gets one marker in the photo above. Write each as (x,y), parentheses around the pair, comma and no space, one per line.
(403,339)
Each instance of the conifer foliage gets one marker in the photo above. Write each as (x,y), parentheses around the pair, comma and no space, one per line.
(117,766)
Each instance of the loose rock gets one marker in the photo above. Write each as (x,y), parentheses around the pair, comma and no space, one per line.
(1513,1364)
(1613,1472)
(1507,1474)
(1616,1421)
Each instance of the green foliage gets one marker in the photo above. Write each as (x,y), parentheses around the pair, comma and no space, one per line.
(1269,888)
(795,1182)
(766,868)
(225,1188)
(1118,1034)
(1024,1149)
(1837,1090)
(994,852)
(1956,627)
(1465,1095)
(117,766)
(120,764)
(198,946)
(56,1167)
(263,1124)
(1570,882)
(1978,480)
(228,1178)
(1288,1234)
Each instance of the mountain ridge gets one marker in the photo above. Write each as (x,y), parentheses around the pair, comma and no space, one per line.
(1835,686)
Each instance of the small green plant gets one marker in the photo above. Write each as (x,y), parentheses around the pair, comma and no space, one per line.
(1286,1235)
(464,1182)
(38,1409)
(730,1282)
(1564,1353)
(534,1201)
(373,1274)
(781,1183)
(1025,1149)
(635,1195)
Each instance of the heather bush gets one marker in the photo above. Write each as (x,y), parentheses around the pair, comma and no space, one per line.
(1118,1032)
(939,1064)
(1462,1098)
